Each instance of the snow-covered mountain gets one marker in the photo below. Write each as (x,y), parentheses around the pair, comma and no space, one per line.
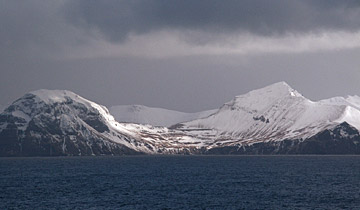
(154,116)
(58,122)
(272,120)
(273,113)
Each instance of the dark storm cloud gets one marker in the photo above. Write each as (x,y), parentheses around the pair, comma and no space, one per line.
(40,27)
(117,19)
(34,28)
(42,44)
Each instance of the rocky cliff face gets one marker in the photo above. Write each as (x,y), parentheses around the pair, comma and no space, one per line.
(341,139)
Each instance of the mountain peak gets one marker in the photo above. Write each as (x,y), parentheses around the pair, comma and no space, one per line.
(281,83)
(51,96)
(263,97)
(279,88)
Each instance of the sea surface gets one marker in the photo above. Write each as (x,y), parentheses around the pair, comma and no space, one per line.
(181,182)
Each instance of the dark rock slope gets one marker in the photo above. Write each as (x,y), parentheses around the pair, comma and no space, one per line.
(342,139)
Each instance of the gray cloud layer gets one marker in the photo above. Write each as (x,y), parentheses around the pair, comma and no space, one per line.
(42,42)
(39,27)
(117,19)
(34,28)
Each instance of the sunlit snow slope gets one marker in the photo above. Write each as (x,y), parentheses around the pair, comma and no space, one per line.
(275,112)
(154,116)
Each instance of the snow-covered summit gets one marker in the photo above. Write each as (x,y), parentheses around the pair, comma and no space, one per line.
(276,112)
(264,97)
(53,96)
(279,89)
(63,96)
(37,102)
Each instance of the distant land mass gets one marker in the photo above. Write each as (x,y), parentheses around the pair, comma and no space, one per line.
(154,116)
(272,120)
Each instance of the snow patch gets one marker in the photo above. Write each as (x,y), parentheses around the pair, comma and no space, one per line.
(354,101)
(351,116)
(22,115)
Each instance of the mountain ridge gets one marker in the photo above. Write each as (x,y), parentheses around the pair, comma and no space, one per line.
(154,116)
(275,119)
(270,114)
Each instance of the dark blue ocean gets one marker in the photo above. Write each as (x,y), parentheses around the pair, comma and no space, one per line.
(181,182)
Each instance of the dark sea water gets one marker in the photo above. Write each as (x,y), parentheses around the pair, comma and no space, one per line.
(181,182)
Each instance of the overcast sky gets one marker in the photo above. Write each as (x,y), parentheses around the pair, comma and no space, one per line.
(187,55)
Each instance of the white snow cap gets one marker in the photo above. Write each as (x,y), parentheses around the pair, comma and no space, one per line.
(276,90)
(278,111)
(59,96)
(261,98)
(52,96)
